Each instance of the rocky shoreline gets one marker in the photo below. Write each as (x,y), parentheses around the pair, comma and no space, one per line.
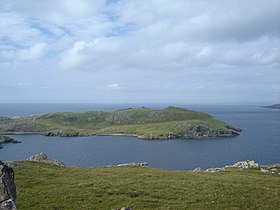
(7,139)
(198,135)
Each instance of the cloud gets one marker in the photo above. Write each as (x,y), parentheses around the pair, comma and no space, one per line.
(31,53)
(60,11)
(73,57)
(204,56)
(183,48)
(110,87)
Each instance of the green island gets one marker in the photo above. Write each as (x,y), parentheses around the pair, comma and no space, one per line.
(46,186)
(144,123)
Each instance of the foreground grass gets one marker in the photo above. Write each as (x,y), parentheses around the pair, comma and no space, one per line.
(43,186)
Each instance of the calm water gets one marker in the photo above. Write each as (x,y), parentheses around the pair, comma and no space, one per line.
(260,141)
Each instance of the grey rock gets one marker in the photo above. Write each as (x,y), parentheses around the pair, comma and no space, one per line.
(198,169)
(264,171)
(8,205)
(126,208)
(244,164)
(7,188)
(41,157)
(134,164)
(214,169)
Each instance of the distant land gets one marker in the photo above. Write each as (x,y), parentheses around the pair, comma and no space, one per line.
(144,123)
(274,106)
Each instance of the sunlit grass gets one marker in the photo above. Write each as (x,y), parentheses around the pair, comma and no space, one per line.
(42,186)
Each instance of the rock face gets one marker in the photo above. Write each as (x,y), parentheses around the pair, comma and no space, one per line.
(41,157)
(134,164)
(7,188)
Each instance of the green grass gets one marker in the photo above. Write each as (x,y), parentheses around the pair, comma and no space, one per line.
(43,186)
(142,122)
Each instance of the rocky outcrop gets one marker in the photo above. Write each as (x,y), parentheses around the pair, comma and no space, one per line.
(270,170)
(7,139)
(41,157)
(244,164)
(134,164)
(63,134)
(7,188)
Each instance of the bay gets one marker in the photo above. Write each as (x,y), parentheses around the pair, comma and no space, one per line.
(259,140)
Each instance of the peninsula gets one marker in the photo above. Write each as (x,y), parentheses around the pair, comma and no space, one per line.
(144,123)
(274,106)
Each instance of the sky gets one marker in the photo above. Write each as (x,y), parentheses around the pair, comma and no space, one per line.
(140,51)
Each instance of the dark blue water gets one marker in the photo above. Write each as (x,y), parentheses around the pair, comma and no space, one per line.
(260,141)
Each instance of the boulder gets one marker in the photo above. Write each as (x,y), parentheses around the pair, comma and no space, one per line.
(264,171)
(134,164)
(41,157)
(198,169)
(126,208)
(8,205)
(214,169)
(7,188)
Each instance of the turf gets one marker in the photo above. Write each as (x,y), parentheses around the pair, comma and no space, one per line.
(43,186)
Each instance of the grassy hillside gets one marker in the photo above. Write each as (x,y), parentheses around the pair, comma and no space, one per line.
(43,186)
(171,122)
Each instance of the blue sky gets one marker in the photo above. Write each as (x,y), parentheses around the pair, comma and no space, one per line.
(140,51)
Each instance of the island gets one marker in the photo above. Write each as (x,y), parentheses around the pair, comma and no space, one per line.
(274,106)
(144,123)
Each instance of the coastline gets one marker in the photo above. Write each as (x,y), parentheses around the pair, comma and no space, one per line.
(171,137)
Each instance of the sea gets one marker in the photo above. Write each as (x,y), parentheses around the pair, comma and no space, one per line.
(259,140)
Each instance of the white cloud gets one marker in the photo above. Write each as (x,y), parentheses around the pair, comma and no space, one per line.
(34,52)
(204,56)
(110,87)
(31,53)
(59,11)
(143,44)
(73,57)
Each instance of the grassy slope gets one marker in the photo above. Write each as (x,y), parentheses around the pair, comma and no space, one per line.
(143,122)
(43,186)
